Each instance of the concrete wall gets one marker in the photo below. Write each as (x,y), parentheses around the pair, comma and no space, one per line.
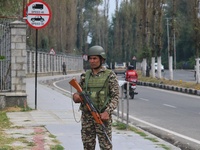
(17,94)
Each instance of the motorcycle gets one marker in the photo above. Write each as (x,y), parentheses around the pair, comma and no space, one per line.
(132,88)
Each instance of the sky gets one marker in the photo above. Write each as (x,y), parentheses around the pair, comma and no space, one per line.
(112,6)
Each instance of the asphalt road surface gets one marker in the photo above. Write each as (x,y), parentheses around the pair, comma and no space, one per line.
(172,112)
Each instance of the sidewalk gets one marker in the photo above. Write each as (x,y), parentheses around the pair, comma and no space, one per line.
(54,115)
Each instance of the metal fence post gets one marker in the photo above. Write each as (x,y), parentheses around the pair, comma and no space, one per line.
(127,108)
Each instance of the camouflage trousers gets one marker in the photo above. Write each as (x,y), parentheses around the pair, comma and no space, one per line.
(90,130)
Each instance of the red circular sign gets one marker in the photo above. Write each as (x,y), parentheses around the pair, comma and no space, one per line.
(38,14)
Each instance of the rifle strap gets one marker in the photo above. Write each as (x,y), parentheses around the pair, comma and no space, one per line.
(75,118)
(87,76)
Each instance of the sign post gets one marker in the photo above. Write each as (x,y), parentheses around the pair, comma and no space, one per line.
(134,61)
(37,15)
(52,53)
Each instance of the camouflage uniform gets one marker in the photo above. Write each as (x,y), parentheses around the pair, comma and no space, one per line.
(90,129)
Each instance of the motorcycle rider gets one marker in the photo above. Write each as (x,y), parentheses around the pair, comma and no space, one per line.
(132,77)
(131,74)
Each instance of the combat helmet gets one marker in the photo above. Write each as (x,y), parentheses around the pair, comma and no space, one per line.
(96,51)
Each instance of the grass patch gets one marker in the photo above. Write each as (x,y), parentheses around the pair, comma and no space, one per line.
(122,126)
(141,133)
(17,109)
(57,147)
(4,124)
(178,83)
(6,142)
(119,125)
(164,146)
(4,121)
(152,139)
(52,136)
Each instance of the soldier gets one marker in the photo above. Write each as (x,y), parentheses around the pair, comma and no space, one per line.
(102,85)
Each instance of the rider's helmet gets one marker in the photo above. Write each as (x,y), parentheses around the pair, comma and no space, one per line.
(131,67)
(97,51)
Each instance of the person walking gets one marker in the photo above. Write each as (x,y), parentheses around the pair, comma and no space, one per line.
(102,86)
(64,68)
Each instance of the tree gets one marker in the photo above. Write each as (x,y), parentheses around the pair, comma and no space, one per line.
(11,9)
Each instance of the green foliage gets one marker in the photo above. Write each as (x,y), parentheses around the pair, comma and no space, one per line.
(119,125)
(2,57)
(4,124)
(189,64)
(145,53)
(11,8)
(57,147)
(164,146)
(4,121)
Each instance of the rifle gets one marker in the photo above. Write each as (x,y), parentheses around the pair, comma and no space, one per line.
(86,101)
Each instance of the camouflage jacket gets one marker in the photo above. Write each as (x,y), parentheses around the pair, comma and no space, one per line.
(113,89)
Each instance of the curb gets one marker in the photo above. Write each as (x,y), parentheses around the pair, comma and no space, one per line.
(170,87)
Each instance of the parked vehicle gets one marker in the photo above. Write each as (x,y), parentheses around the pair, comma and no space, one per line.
(106,65)
(156,67)
(120,68)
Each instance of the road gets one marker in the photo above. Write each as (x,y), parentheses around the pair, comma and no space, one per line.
(176,112)
(166,111)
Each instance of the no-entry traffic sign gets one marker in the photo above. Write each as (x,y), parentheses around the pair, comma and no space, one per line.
(38,14)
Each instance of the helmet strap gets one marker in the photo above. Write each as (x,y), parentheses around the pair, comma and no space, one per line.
(101,62)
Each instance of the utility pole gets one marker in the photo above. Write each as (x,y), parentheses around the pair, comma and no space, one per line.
(197,39)
(159,36)
(145,36)
(174,50)
(169,52)
(153,39)
(168,41)
(171,44)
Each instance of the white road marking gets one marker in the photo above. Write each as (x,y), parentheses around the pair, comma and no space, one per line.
(144,99)
(169,131)
(54,84)
(169,105)
(163,129)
